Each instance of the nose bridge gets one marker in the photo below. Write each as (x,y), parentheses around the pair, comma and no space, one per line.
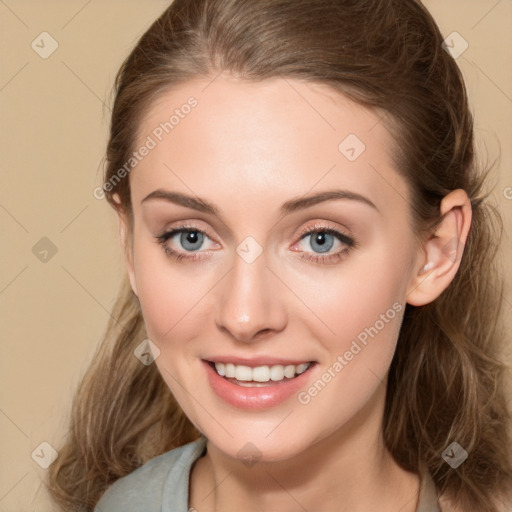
(250,304)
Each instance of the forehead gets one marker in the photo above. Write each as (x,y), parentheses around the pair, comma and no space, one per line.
(273,137)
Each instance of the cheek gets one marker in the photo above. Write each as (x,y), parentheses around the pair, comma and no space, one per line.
(362,306)
(365,316)
(367,291)
(170,295)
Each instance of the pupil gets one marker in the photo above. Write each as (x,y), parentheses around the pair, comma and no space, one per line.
(320,238)
(323,241)
(191,240)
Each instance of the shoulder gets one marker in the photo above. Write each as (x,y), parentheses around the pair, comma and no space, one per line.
(145,488)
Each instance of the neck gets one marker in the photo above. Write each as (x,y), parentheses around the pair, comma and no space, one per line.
(348,470)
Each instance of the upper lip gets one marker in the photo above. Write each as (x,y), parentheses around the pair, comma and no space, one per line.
(257,361)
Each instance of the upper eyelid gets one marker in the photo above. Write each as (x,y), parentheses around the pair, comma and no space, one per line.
(173,231)
(339,234)
(292,215)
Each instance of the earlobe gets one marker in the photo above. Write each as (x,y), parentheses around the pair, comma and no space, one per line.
(126,246)
(442,252)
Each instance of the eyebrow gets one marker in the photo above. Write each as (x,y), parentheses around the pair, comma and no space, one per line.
(293,205)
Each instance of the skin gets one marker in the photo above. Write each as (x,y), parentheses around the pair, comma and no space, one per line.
(247,148)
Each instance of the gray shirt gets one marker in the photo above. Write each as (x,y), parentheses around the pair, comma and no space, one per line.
(161,485)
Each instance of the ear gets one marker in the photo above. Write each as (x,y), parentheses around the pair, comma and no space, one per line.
(441,253)
(126,245)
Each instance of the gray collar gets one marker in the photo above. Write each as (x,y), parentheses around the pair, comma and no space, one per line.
(428,499)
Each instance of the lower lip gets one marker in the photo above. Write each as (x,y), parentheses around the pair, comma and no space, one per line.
(255,397)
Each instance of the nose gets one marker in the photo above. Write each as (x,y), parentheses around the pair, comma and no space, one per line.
(250,304)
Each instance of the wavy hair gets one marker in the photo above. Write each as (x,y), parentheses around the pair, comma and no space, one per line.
(447,379)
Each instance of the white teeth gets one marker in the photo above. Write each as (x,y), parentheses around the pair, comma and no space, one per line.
(260,373)
(243,372)
(301,368)
(277,372)
(221,369)
(289,371)
(229,370)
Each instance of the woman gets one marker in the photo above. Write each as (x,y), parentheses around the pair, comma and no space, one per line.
(311,315)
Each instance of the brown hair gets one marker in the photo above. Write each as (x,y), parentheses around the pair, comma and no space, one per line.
(446,381)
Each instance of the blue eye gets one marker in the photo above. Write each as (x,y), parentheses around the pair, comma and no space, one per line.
(190,239)
(194,238)
(322,241)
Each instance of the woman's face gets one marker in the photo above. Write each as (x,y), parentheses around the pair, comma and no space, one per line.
(299,250)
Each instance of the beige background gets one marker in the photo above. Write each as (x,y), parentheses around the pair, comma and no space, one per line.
(55,118)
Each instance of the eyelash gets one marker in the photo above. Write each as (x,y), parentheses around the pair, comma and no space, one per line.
(350,243)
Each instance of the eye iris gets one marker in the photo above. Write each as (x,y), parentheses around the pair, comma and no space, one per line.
(320,238)
(191,237)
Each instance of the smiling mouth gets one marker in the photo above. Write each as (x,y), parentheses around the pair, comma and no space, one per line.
(259,376)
